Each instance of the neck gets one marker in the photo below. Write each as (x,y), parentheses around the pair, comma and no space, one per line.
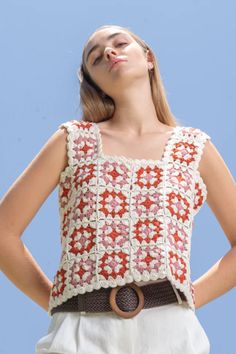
(135,111)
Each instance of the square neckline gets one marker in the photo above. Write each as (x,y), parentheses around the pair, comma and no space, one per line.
(127,159)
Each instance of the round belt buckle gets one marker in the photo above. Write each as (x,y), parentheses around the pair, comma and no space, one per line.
(117,310)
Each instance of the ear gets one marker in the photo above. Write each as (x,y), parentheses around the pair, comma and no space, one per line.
(149,59)
(150,65)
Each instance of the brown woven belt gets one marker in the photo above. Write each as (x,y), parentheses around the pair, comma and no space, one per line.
(126,301)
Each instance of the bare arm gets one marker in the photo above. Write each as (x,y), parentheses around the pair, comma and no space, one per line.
(17,208)
(221,198)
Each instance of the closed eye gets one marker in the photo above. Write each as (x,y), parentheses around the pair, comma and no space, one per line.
(100,56)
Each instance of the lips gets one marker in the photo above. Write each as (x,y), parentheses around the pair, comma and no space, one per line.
(114,62)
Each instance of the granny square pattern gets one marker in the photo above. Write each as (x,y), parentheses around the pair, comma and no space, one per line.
(124,219)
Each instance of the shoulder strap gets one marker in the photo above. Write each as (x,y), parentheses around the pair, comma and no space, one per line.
(197,139)
(81,142)
(188,146)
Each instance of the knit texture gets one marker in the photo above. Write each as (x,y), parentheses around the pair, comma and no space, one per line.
(124,219)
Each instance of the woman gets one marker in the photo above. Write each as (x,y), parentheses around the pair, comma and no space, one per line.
(130,183)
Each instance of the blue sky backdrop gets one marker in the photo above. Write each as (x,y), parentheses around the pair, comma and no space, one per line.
(41,44)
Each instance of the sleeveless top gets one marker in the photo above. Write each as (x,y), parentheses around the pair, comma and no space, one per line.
(124,219)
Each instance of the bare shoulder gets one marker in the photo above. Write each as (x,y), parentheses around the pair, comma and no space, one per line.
(105,126)
(54,151)
(221,188)
(210,156)
(31,188)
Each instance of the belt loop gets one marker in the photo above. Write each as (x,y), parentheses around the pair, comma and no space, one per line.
(177,294)
(82,300)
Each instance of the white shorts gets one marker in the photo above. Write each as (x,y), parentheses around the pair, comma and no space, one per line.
(169,329)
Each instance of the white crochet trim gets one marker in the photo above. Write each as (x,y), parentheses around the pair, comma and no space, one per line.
(72,133)
(200,140)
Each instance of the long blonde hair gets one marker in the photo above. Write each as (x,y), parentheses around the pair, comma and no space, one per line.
(97,106)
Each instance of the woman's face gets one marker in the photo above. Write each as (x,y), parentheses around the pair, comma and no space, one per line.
(107,46)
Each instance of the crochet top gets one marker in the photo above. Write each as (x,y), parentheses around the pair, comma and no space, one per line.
(124,219)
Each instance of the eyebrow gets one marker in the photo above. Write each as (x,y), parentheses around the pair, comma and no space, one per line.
(97,45)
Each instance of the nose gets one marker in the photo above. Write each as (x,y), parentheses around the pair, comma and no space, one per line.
(110,53)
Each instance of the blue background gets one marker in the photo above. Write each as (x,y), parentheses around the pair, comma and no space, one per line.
(41,44)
